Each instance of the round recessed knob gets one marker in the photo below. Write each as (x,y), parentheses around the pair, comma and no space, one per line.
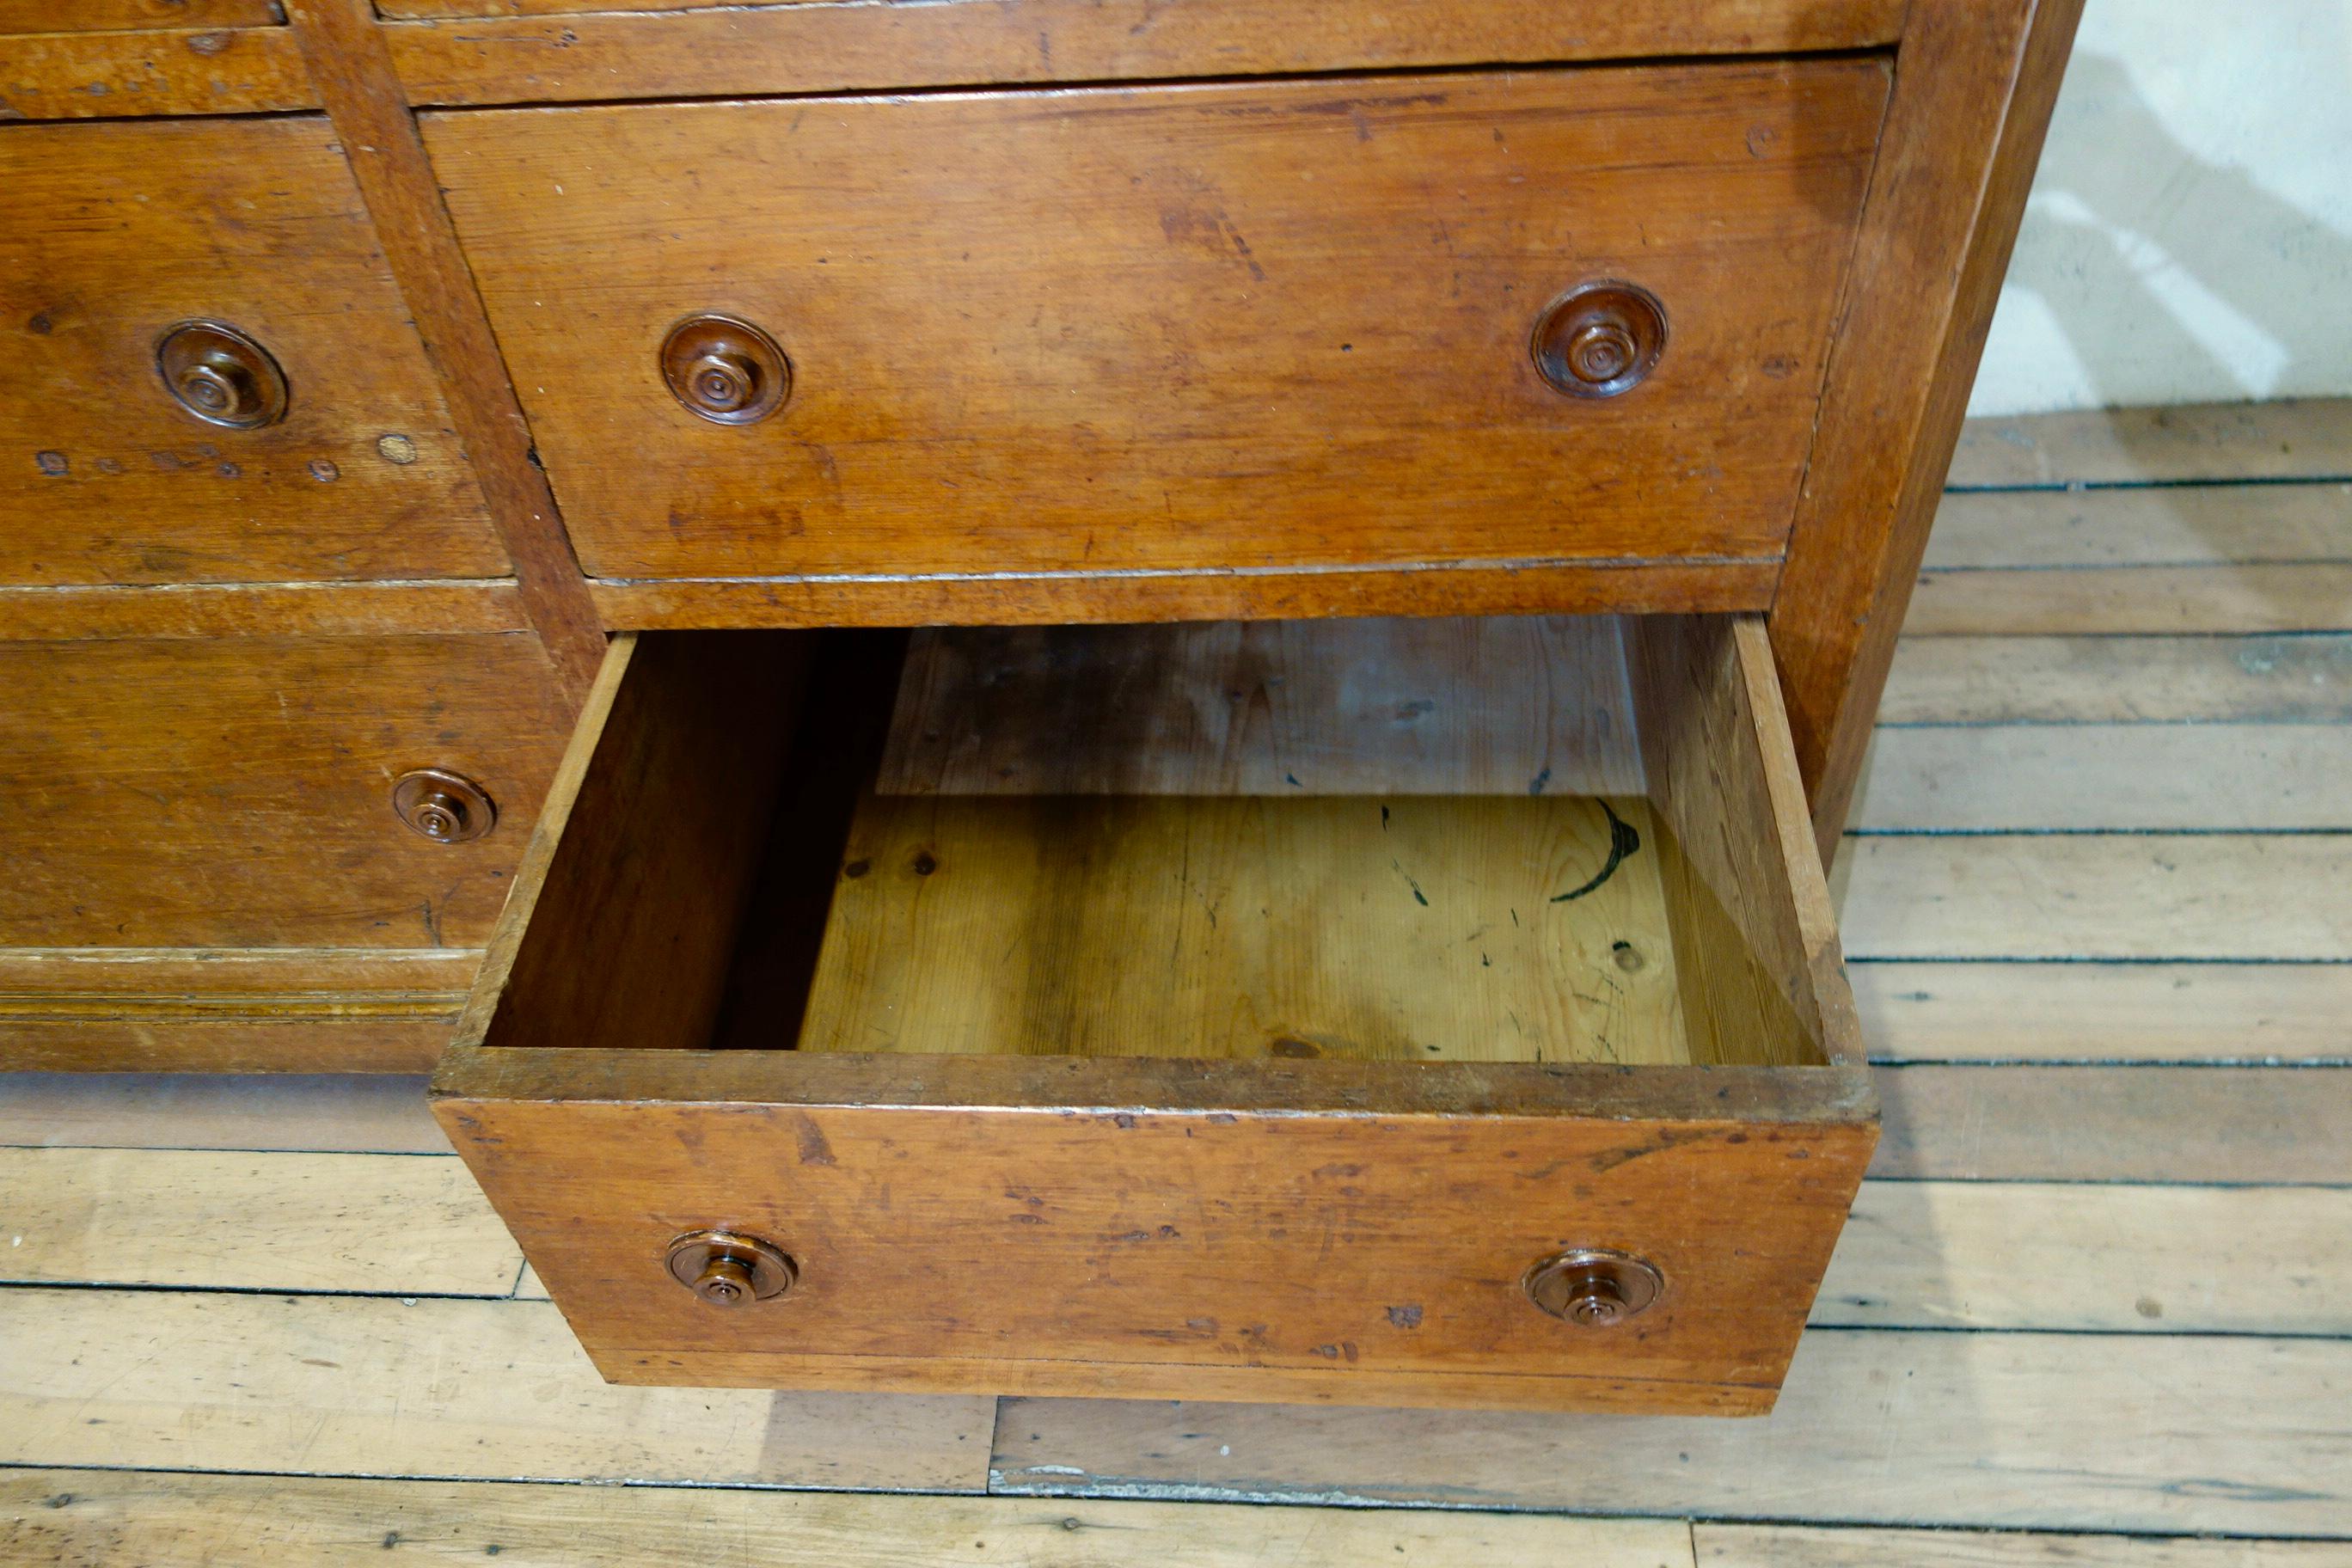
(730,1270)
(725,370)
(446,808)
(220,375)
(1593,1288)
(1600,340)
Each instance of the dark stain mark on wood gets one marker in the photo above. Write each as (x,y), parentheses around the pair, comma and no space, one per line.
(1622,841)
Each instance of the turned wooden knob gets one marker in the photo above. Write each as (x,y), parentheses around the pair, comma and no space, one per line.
(446,808)
(1593,1288)
(725,370)
(1600,340)
(730,1270)
(220,375)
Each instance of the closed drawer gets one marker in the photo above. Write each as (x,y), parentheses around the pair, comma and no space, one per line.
(1427,1012)
(238,793)
(1264,327)
(148,267)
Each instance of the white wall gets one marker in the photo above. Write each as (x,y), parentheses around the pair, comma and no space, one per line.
(2190,235)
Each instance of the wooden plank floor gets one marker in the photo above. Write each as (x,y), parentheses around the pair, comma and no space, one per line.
(2094,1306)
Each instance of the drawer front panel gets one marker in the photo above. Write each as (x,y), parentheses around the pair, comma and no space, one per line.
(1174,329)
(1240,1253)
(238,793)
(112,236)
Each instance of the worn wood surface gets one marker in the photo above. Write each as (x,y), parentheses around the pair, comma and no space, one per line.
(1406,929)
(1235,351)
(77,1516)
(1290,809)
(229,793)
(340,1112)
(1929,1012)
(1757,941)
(345,50)
(160,71)
(624,919)
(1790,1546)
(316,1384)
(350,1223)
(109,235)
(133,15)
(1518,588)
(2101,777)
(2141,601)
(2188,1433)
(2292,438)
(1975,84)
(2057,679)
(259,609)
(1159,1249)
(1505,706)
(803,49)
(2256,897)
(2202,524)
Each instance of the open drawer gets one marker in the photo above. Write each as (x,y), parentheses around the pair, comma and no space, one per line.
(1436,1012)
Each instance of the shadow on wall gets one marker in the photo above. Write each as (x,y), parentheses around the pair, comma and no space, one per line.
(2172,279)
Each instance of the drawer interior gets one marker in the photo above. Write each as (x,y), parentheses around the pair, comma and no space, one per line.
(1222,1011)
(1531,840)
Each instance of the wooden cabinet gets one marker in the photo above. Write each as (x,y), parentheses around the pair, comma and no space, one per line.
(342,465)
(1185,331)
(1408,509)
(1245,1013)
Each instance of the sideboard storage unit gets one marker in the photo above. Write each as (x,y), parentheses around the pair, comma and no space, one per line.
(1210,650)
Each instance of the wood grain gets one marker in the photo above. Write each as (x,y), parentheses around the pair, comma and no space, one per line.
(1514,588)
(2092,1257)
(2056,679)
(133,15)
(1158,1246)
(338,1112)
(1401,929)
(259,609)
(1975,84)
(237,792)
(345,1036)
(1787,1546)
(1499,706)
(2116,1124)
(181,70)
(2262,897)
(2055,1431)
(2172,524)
(344,1223)
(344,48)
(1752,922)
(2290,438)
(360,1386)
(109,235)
(1247,327)
(807,48)
(2107,778)
(83,1515)
(2249,1012)
(2140,600)
(639,867)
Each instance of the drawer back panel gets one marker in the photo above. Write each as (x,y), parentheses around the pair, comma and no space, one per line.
(1172,330)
